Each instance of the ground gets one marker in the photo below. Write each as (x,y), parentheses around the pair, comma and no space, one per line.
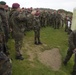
(45,59)
(50,58)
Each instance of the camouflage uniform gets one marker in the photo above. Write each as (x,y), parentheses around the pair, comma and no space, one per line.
(29,21)
(5,64)
(17,32)
(66,24)
(4,27)
(43,19)
(36,24)
(72,46)
(56,19)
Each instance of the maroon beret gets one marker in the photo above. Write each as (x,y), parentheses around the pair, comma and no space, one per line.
(15,5)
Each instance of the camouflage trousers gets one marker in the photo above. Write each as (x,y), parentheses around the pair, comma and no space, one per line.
(37,35)
(68,56)
(18,44)
(5,65)
(74,67)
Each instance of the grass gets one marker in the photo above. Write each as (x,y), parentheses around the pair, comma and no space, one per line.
(53,38)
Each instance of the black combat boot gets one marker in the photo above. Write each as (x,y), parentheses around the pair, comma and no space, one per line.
(65,63)
(36,43)
(19,58)
(39,43)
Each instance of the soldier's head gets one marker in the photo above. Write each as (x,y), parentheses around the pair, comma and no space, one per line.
(2,4)
(16,6)
(6,7)
(37,13)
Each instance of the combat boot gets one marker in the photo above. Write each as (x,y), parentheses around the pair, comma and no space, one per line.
(36,43)
(19,58)
(65,63)
(39,43)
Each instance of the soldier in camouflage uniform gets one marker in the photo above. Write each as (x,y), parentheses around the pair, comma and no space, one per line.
(5,62)
(17,29)
(29,20)
(71,50)
(53,19)
(43,19)
(4,25)
(66,23)
(36,27)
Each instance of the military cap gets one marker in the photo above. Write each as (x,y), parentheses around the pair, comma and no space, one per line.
(2,2)
(15,5)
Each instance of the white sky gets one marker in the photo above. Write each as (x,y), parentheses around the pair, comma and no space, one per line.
(68,5)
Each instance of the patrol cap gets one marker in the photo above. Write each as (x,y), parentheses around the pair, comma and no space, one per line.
(2,3)
(15,5)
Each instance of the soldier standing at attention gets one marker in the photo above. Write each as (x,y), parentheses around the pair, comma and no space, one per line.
(5,63)
(37,26)
(17,30)
(4,26)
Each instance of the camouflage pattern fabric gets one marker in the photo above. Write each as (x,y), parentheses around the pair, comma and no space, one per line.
(4,29)
(5,65)
(18,34)
(37,26)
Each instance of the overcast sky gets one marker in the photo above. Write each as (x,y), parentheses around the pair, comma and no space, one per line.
(68,5)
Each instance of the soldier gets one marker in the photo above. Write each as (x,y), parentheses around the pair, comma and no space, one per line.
(17,29)
(29,20)
(5,65)
(36,24)
(66,23)
(4,25)
(71,50)
(5,62)
(54,19)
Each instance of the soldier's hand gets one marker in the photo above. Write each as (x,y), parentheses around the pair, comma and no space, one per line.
(10,29)
(74,50)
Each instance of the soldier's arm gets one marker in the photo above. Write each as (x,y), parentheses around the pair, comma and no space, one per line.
(4,22)
(71,41)
(20,17)
(4,19)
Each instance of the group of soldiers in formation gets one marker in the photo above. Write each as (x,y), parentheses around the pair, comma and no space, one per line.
(17,21)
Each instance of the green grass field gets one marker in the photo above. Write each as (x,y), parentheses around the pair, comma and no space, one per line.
(52,38)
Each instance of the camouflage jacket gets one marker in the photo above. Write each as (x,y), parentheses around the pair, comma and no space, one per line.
(16,20)
(72,40)
(36,23)
(3,20)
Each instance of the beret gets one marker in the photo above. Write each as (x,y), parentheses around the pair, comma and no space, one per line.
(2,2)
(15,5)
